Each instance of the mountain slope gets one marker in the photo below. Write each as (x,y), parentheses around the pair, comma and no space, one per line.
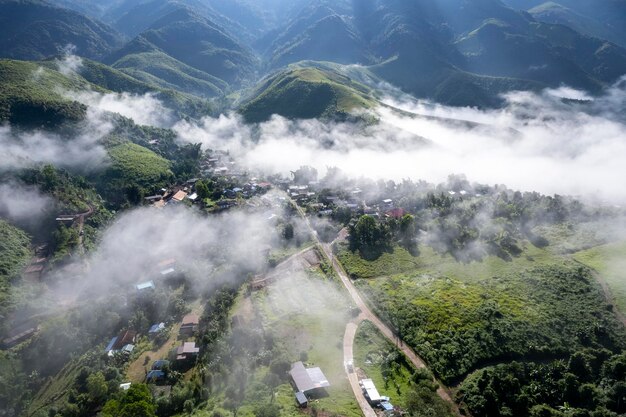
(29,95)
(35,29)
(583,22)
(305,92)
(194,41)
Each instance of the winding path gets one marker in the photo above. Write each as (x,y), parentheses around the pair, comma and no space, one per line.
(367,314)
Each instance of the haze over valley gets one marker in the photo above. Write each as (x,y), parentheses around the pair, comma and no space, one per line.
(233,208)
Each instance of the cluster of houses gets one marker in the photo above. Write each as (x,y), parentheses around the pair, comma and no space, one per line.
(185,353)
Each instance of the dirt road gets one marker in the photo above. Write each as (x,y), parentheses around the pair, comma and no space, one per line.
(367,314)
(348,357)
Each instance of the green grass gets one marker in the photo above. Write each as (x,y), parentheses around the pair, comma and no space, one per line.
(305,93)
(610,262)
(14,255)
(370,350)
(302,313)
(461,316)
(394,262)
(132,164)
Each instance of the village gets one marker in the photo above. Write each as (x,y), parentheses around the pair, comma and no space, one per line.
(169,350)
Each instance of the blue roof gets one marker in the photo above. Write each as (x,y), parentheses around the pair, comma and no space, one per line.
(158,365)
(155,375)
(156,327)
(301,398)
(386,405)
(110,345)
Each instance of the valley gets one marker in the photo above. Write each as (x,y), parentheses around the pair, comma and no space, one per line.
(272,208)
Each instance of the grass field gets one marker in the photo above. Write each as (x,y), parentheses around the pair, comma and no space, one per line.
(371,350)
(461,316)
(300,316)
(610,262)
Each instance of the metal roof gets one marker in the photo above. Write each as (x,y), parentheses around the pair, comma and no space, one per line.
(307,379)
(370,390)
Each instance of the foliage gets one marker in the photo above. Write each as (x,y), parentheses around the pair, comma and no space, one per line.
(135,172)
(29,96)
(524,311)
(306,93)
(587,382)
(14,254)
(135,402)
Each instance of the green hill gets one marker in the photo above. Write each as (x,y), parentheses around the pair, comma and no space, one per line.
(29,95)
(134,171)
(35,29)
(305,93)
(199,43)
(14,255)
(160,69)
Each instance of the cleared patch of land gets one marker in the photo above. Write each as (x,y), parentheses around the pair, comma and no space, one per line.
(609,261)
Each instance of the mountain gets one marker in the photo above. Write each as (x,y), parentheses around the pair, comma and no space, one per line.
(581,21)
(30,95)
(32,92)
(306,92)
(35,29)
(461,52)
(602,19)
(195,41)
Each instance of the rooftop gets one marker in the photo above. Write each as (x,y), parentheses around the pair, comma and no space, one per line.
(307,379)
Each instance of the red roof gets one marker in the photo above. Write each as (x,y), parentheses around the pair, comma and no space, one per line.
(396,213)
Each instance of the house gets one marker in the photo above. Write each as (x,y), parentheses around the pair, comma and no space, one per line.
(155,376)
(193,196)
(307,380)
(179,196)
(123,342)
(388,202)
(19,335)
(396,213)
(189,325)
(145,286)
(155,329)
(187,351)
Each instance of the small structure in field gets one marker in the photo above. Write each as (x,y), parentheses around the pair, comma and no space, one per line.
(187,351)
(189,325)
(309,381)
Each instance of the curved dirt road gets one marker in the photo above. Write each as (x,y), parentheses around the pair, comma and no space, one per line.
(367,314)
(348,357)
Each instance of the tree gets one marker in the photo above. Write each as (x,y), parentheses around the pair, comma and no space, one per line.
(203,189)
(136,402)
(97,387)
(288,231)
(304,175)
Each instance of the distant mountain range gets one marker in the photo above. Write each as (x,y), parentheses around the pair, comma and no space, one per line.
(459,52)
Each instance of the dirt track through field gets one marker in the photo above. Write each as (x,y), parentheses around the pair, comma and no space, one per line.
(367,314)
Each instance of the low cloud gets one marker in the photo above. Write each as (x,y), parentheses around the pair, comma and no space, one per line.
(558,141)
(21,204)
(144,109)
(81,151)
(210,250)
